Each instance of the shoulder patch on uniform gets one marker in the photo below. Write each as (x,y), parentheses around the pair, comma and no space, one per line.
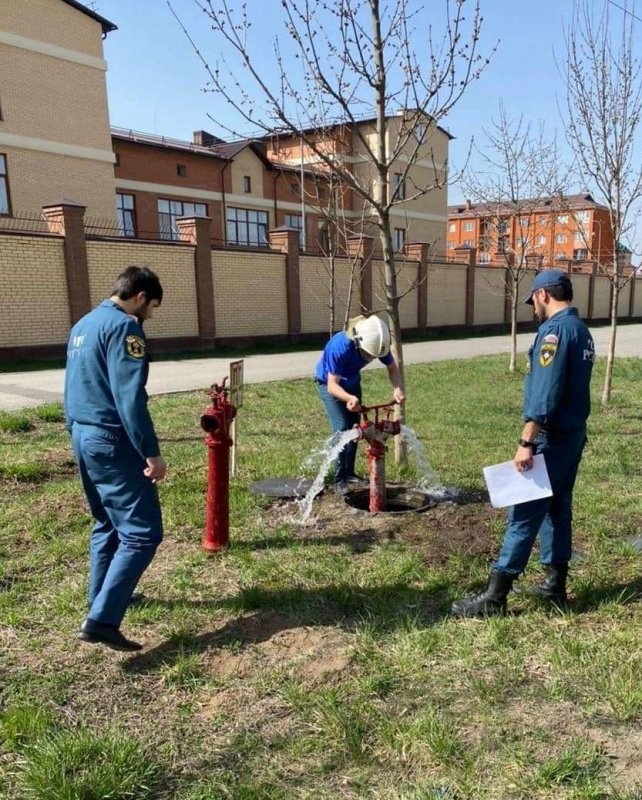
(547,353)
(551,338)
(135,346)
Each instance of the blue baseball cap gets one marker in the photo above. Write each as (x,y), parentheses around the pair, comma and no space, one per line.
(547,279)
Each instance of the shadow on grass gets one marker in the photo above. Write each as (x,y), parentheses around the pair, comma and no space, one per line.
(382,608)
(362,541)
(593,596)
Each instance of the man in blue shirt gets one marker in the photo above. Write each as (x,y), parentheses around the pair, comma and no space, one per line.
(338,377)
(116,448)
(557,404)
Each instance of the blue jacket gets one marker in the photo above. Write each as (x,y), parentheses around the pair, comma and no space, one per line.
(106,373)
(342,357)
(557,385)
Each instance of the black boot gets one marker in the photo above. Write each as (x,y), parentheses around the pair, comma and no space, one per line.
(553,587)
(490,603)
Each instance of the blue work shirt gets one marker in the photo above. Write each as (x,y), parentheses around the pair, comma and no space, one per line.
(106,373)
(557,385)
(342,357)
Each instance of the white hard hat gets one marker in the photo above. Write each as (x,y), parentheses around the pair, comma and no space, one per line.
(372,335)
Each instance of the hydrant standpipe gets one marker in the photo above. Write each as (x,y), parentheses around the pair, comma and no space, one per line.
(375,435)
(216,422)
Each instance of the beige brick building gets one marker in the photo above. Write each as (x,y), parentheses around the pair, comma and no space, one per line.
(54,121)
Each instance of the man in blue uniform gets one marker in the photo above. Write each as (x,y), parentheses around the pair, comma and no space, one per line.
(116,448)
(556,407)
(338,377)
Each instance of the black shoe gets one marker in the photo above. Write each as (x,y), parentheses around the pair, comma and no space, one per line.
(98,633)
(489,603)
(553,587)
(137,599)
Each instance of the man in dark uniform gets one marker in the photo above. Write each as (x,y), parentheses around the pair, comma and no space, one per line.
(556,407)
(116,448)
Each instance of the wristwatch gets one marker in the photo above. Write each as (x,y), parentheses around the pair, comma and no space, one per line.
(526,443)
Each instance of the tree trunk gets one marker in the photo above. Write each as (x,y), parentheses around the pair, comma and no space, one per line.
(610,357)
(513,323)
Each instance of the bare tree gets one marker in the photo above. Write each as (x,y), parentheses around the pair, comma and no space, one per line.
(519,171)
(354,67)
(339,230)
(602,121)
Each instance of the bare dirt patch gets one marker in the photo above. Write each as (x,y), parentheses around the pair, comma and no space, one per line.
(447,529)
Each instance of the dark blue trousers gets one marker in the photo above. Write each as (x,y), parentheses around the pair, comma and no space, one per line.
(342,420)
(550,517)
(128,524)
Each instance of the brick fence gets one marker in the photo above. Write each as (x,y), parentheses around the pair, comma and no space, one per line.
(225,296)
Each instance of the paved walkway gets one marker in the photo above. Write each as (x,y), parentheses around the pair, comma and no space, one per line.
(28,389)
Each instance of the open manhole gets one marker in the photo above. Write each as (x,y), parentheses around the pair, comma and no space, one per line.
(399,499)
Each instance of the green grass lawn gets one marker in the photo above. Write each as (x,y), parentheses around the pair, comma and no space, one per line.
(319,662)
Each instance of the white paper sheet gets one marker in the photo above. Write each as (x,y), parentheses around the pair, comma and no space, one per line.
(508,487)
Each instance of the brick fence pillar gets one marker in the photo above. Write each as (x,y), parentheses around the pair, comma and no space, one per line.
(67,220)
(286,240)
(509,258)
(196,231)
(632,283)
(470,253)
(363,247)
(591,293)
(418,251)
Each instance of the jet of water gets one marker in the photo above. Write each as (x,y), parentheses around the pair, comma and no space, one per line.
(325,456)
(428,478)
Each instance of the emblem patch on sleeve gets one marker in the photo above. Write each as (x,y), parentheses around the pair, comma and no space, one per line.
(547,353)
(135,346)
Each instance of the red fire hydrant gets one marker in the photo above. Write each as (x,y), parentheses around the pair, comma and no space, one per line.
(374,435)
(216,423)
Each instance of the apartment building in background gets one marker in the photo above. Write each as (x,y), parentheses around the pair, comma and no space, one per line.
(54,120)
(235,184)
(422,217)
(572,231)
(250,186)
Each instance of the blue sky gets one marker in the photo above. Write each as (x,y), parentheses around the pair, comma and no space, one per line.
(155,80)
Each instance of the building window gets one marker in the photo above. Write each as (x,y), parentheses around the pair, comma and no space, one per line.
(247,227)
(582,216)
(483,258)
(468,243)
(399,239)
(170,210)
(398,186)
(502,227)
(560,238)
(562,219)
(295,221)
(543,222)
(5,201)
(451,245)
(522,241)
(580,255)
(247,184)
(452,227)
(541,239)
(469,226)
(181,170)
(580,238)
(125,214)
